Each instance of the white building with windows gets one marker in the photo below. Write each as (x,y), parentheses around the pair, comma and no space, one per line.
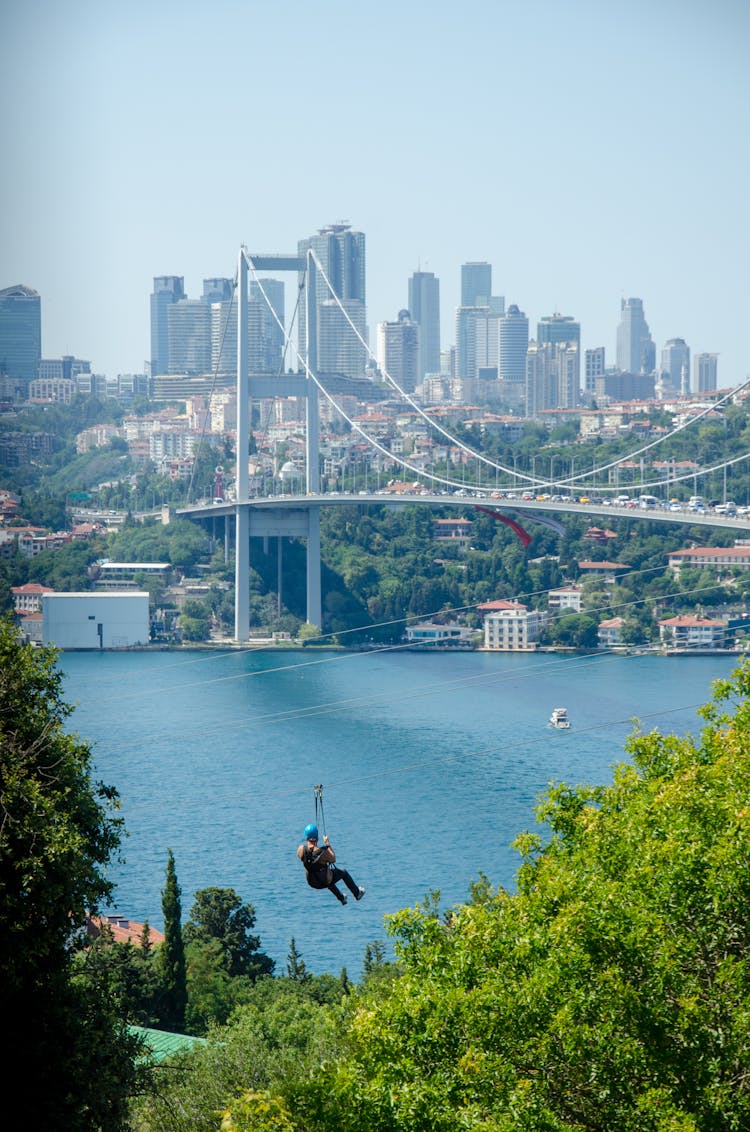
(567,597)
(511,627)
(440,636)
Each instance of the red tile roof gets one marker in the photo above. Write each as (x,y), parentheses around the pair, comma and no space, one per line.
(123,930)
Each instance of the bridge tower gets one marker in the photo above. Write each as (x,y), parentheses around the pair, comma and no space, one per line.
(305,520)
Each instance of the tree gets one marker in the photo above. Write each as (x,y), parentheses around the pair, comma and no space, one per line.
(609,992)
(219,914)
(172,954)
(296,968)
(575,630)
(58,832)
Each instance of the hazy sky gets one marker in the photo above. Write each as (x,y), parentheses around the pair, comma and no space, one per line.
(590,150)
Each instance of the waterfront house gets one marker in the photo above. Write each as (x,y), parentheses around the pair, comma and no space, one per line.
(511,627)
(610,633)
(688,632)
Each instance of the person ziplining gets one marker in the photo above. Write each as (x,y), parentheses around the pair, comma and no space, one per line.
(319,861)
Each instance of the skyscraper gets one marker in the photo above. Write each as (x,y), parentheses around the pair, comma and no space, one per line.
(424,308)
(675,365)
(513,334)
(265,343)
(563,330)
(541,378)
(168,289)
(705,373)
(341,254)
(265,338)
(20,332)
(594,366)
(217,290)
(552,376)
(478,339)
(636,352)
(558,328)
(476,284)
(398,350)
(189,336)
(339,347)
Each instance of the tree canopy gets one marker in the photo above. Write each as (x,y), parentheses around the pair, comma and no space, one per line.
(57,834)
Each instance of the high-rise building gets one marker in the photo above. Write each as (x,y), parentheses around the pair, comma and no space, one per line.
(478,337)
(398,350)
(513,342)
(558,328)
(189,337)
(636,352)
(562,329)
(552,376)
(20,332)
(476,284)
(675,365)
(168,289)
(424,308)
(265,331)
(705,373)
(594,366)
(541,378)
(265,336)
(340,252)
(217,290)
(339,347)
(466,337)
(568,375)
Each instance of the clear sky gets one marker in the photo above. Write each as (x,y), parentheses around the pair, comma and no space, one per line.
(589,149)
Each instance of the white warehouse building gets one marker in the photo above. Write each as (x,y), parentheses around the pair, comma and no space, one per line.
(113,620)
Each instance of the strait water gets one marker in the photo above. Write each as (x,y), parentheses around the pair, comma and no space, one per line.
(430,764)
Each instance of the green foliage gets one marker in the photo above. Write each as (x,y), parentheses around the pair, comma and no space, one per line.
(58,834)
(574,630)
(286,1035)
(131,974)
(67,568)
(172,955)
(610,992)
(257,1112)
(296,968)
(180,542)
(219,914)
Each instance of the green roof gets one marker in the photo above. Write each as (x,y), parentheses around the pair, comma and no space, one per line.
(162,1044)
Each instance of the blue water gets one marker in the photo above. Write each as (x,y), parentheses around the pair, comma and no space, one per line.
(430,765)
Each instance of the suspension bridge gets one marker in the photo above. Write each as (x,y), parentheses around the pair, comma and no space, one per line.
(298,515)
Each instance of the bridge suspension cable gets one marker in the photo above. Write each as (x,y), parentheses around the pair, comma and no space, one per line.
(500,467)
(530,480)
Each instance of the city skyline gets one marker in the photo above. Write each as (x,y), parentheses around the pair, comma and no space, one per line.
(559,184)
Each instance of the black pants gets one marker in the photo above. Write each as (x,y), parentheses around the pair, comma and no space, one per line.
(338,874)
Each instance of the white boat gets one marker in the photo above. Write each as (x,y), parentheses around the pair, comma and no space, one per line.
(559,718)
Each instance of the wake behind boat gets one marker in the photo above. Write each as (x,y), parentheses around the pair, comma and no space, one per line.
(559,718)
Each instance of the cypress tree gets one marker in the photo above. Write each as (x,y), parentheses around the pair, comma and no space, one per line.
(173,954)
(296,968)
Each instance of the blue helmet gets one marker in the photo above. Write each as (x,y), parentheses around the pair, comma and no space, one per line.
(311,833)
